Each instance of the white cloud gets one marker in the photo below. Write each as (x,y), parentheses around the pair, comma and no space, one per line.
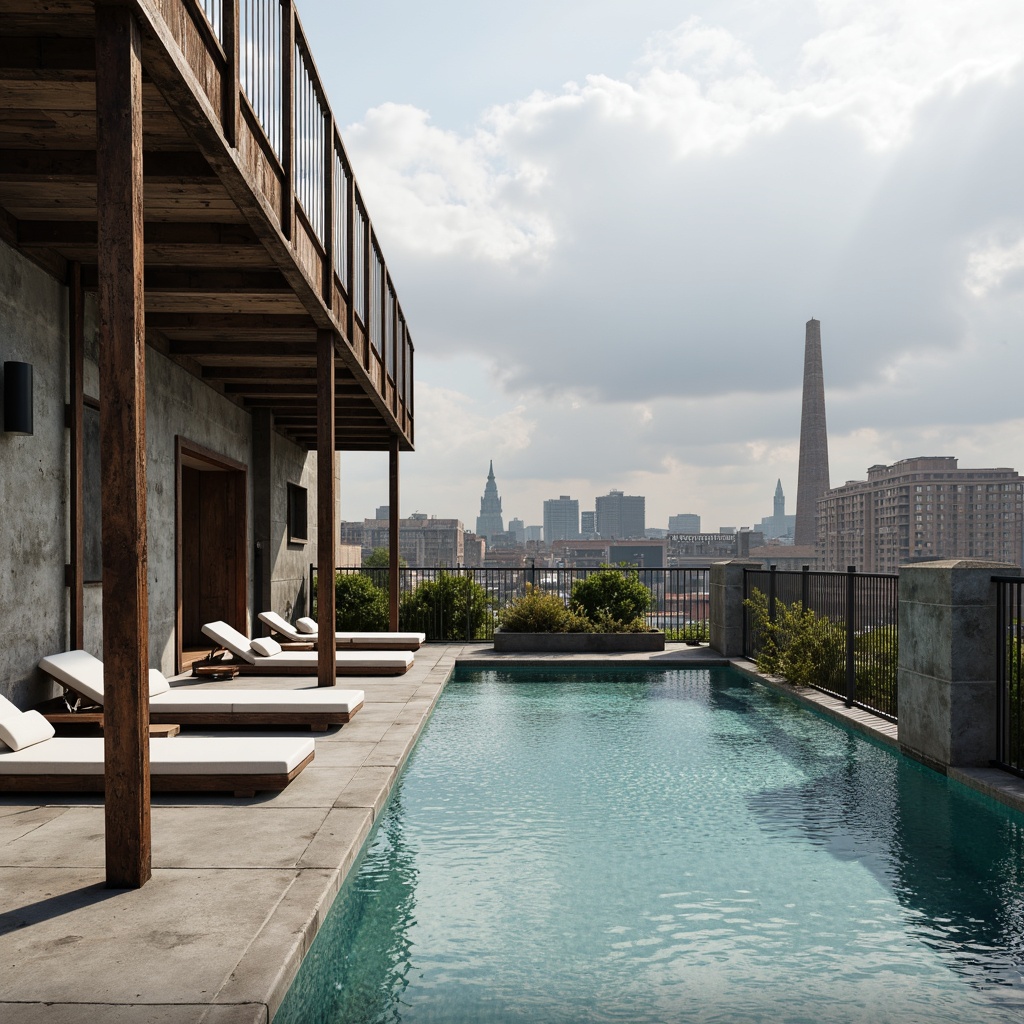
(633,258)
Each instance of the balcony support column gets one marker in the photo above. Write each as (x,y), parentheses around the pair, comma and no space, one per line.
(325,501)
(122,359)
(393,574)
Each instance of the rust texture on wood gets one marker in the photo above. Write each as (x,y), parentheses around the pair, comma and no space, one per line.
(325,498)
(123,436)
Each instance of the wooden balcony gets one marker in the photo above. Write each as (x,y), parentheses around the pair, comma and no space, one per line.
(256,236)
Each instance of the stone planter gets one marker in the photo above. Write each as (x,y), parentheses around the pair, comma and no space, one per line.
(578,643)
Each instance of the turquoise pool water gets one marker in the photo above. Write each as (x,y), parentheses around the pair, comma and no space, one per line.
(668,846)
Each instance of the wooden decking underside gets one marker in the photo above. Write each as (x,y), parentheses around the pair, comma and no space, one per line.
(237,282)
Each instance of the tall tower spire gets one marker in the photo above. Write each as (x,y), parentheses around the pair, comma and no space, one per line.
(812,478)
(780,501)
(490,522)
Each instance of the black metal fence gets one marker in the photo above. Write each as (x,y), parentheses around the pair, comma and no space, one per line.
(463,604)
(845,626)
(1009,710)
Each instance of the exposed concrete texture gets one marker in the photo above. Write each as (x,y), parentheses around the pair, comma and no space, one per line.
(726,606)
(35,482)
(947,661)
(812,472)
(33,531)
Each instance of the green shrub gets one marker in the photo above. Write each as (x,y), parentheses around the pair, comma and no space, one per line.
(447,608)
(615,598)
(804,648)
(359,605)
(540,612)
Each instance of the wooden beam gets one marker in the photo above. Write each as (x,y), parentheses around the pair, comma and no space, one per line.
(286,352)
(232,323)
(76,362)
(123,444)
(393,544)
(231,88)
(325,498)
(79,166)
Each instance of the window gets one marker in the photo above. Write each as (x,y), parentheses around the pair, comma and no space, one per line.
(298,529)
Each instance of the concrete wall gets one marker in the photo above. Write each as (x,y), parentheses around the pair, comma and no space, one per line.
(35,480)
(33,511)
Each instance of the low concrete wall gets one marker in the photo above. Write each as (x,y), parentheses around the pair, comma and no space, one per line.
(947,661)
(726,611)
(577,643)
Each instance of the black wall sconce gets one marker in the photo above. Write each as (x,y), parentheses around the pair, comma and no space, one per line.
(17,398)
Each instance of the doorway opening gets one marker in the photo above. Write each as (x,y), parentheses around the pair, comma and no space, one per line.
(211,546)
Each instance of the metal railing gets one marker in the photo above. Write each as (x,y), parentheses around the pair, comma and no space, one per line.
(279,83)
(461,604)
(1009,662)
(845,623)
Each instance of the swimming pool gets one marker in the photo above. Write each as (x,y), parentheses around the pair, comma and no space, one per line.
(668,845)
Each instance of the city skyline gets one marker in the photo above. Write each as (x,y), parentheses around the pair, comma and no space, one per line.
(772,163)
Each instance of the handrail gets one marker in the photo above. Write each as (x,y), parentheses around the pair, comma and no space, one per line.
(271,71)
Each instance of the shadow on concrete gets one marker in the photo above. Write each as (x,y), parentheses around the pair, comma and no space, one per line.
(54,906)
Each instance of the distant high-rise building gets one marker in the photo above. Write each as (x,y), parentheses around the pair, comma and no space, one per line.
(922,509)
(383,512)
(778,526)
(534,534)
(812,476)
(489,522)
(561,519)
(422,541)
(518,529)
(588,525)
(621,516)
(685,522)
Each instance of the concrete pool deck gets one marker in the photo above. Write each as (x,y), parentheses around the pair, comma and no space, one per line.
(239,886)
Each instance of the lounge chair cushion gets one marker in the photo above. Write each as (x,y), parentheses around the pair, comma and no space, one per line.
(24,729)
(229,638)
(266,646)
(157,682)
(306,625)
(83,673)
(182,755)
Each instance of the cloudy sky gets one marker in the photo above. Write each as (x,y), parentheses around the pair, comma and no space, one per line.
(608,223)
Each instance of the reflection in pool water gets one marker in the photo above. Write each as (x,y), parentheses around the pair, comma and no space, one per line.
(668,846)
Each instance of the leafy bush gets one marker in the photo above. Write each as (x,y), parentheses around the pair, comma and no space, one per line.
(804,648)
(447,608)
(540,612)
(359,605)
(615,598)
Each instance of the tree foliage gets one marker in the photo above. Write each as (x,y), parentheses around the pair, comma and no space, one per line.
(359,605)
(449,607)
(613,599)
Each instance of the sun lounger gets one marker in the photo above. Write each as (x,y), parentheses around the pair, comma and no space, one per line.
(317,707)
(62,764)
(305,632)
(265,656)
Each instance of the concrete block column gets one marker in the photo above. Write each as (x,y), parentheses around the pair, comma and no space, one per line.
(727,605)
(947,661)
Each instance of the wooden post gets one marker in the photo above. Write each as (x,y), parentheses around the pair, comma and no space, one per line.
(76,361)
(288,118)
(329,211)
(123,445)
(231,82)
(325,526)
(393,573)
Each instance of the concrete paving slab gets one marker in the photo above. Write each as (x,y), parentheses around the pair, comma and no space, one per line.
(105,1013)
(370,787)
(316,787)
(176,940)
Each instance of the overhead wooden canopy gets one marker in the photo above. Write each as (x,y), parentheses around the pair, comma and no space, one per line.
(255,238)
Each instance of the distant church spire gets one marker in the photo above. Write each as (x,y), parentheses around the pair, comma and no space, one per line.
(490,522)
(780,501)
(813,477)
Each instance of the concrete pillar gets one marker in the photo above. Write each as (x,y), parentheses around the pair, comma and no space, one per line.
(727,605)
(947,661)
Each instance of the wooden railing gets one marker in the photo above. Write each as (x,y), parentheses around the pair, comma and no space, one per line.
(255,65)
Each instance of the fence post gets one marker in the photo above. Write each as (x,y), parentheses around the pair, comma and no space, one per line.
(727,614)
(851,676)
(771,591)
(469,599)
(805,588)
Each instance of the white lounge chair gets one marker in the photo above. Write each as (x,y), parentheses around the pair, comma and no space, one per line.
(305,631)
(265,656)
(33,759)
(317,707)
